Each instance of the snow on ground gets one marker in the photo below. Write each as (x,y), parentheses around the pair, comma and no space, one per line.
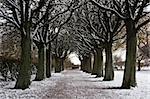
(36,90)
(75,84)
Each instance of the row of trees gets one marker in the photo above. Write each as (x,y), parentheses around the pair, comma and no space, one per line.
(39,22)
(84,27)
(130,12)
(101,23)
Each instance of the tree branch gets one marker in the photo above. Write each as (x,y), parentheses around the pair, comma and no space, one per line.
(107,9)
(142,24)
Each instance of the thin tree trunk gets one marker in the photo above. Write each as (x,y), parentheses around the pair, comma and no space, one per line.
(53,62)
(57,65)
(95,65)
(62,64)
(41,67)
(109,71)
(139,65)
(48,62)
(23,80)
(89,64)
(81,67)
(83,64)
(129,78)
(99,62)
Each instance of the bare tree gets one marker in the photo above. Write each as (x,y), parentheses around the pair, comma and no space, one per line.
(21,14)
(104,28)
(131,12)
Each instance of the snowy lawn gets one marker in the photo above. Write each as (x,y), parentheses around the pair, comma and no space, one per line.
(74,84)
(36,90)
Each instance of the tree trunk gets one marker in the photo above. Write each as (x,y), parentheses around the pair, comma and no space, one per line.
(109,71)
(83,64)
(41,67)
(129,78)
(99,62)
(62,64)
(57,65)
(139,65)
(48,62)
(95,65)
(23,80)
(88,64)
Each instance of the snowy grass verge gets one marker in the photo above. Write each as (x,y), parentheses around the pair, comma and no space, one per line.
(36,90)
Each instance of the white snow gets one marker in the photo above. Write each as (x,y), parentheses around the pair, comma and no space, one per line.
(75,84)
(37,89)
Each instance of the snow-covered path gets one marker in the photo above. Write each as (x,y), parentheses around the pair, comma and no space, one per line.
(75,84)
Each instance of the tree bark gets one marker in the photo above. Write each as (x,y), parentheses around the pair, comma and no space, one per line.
(62,63)
(48,62)
(129,78)
(109,71)
(83,64)
(139,65)
(41,67)
(23,80)
(88,64)
(99,62)
(57,65)
(95,65)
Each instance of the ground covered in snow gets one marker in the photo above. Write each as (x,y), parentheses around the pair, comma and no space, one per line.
(75,84)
